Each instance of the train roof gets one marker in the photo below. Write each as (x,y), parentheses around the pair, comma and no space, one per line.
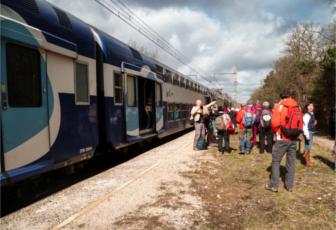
(65,30)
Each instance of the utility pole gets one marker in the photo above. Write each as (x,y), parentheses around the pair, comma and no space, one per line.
(241,102)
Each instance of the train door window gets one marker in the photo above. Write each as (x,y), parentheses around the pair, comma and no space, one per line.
(158,95)
(169,76)
(82,83)
(182,82)
(131,102)
(170,111)
(23,76)
(187,84)
(184,111)
(176,79)
(118,89)
(177,111)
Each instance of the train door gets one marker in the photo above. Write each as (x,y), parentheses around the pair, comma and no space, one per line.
(24,110)
(131,107)
(146,95)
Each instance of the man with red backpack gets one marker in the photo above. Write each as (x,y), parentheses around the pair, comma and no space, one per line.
(287,125)
(264,119)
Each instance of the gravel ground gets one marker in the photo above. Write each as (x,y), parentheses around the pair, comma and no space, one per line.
(136,197)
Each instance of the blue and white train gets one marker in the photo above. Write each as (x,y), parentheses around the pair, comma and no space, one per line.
(69,90)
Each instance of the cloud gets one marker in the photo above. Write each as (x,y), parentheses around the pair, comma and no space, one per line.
(213,34)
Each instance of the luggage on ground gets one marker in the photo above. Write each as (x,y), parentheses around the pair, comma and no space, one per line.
(201,144)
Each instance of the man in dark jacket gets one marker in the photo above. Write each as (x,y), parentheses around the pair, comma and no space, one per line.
(264,133)
(233,116)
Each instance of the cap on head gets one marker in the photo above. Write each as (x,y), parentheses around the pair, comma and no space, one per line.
(265,104)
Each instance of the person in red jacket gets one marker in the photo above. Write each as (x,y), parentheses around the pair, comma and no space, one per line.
(282,145)
(243,130)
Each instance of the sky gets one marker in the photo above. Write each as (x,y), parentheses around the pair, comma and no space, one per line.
(213,34)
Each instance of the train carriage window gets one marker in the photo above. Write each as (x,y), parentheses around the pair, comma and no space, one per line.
(23,76)
(199,89)
(187,84)
(131,102)
(184,111)
(170,111)
(182,82)
(176,79)
(191,86)
(159,69)
(195,87)
(169,76)
(82,83)
(177,111)
(118,89)
(158,97)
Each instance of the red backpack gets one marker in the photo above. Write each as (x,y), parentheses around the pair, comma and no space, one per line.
(294,123)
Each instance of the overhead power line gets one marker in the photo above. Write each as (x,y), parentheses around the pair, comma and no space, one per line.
(128,16)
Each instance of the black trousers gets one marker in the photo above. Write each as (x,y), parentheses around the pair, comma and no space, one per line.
(223,135)
(263,135)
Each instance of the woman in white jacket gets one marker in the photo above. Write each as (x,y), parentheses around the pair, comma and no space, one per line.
(309,125)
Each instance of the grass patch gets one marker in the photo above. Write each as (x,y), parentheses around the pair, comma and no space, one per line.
(232,190)
(81,225)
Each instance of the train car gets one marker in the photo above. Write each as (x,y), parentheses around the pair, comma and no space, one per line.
(69,90)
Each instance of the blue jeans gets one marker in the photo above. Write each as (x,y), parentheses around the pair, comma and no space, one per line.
(309,143)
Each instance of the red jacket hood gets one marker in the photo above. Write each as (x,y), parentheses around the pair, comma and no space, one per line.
(257,106)
(289,102)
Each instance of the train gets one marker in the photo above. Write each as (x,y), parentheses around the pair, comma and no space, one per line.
(70,91)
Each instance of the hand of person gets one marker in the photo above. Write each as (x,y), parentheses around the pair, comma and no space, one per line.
(308,138)
(315,122)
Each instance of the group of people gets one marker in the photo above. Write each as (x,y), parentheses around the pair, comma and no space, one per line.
(285,122)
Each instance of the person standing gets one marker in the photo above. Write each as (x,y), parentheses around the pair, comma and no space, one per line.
(256,110)
(332,127)
(309,126)
(211,139)
(198,112)
(245,119)
(283,143)
(223,134)
(264,119)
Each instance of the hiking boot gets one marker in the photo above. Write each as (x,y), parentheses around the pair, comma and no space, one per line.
(248,152)
(290,190)
(268,187)
(307,157)
(242,152)
(195,149)
(227,154)
(261,153)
